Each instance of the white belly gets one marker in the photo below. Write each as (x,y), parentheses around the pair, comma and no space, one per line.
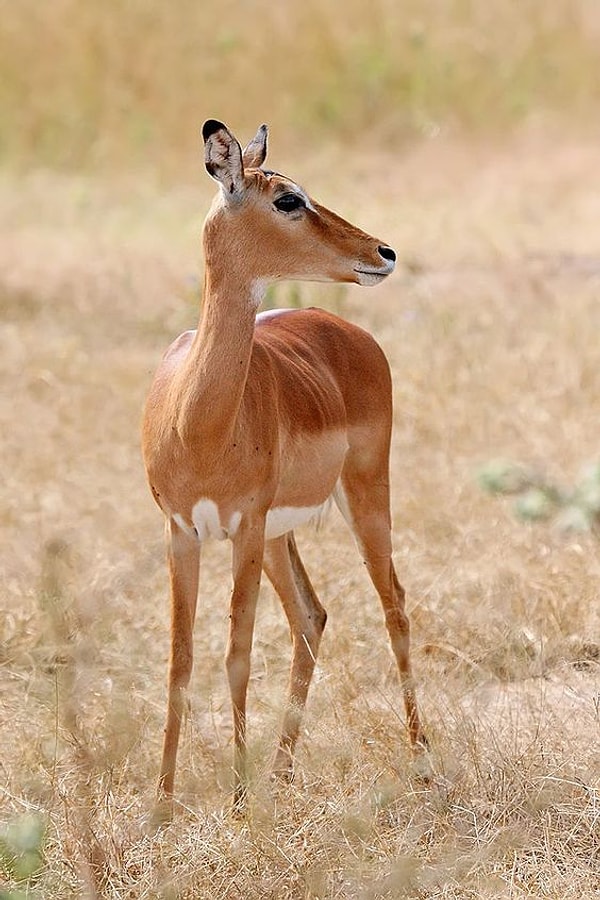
(207,522)
(282,519)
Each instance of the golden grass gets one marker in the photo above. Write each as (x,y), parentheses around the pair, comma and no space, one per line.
(123,83)
(491,329)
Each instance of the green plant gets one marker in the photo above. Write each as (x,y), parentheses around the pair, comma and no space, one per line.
(538,499)
(22,852)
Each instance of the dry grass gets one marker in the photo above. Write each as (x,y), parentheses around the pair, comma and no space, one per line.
(491,329)
(124,82)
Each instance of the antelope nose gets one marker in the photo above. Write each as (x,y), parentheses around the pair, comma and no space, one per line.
(387,253)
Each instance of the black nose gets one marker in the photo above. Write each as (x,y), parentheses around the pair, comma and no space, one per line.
(387,253)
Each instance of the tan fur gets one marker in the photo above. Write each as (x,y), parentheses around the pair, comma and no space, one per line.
(254,415)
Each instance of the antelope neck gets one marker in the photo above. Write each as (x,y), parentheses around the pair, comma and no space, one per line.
(216,368)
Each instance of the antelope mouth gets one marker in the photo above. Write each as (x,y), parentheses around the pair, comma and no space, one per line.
(366,276)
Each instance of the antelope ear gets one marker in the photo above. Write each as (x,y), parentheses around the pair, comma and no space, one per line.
(223,158)
(255,153)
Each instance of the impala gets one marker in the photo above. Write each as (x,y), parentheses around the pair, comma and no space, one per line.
(255,420)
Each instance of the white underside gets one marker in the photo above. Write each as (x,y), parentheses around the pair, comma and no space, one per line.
(207,523)
(282,519)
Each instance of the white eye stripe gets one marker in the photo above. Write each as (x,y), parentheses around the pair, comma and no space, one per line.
(293,188)
(304,197)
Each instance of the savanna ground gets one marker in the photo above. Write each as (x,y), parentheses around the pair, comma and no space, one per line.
(491,326)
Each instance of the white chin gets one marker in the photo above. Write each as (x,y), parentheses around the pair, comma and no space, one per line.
(366,279)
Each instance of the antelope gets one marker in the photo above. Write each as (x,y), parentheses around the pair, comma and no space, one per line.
(255,420)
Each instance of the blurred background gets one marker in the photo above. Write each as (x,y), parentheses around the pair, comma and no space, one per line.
(465,133)
(126,83)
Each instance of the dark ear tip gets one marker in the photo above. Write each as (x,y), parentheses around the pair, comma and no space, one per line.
(210,127)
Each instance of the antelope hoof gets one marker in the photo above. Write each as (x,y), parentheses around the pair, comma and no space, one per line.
(160,816)
(240,797)
(282,775)
(422,767)
(283,768)
(422,744)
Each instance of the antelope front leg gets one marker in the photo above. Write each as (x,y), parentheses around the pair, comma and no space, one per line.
(247,564)
(184,559)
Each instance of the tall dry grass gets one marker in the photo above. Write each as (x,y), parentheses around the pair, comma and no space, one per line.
(126,83)
(492,336)
(491,328)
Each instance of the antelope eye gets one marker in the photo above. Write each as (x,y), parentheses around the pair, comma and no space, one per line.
(288,203)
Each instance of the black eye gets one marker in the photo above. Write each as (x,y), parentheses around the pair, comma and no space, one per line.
(288,203)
